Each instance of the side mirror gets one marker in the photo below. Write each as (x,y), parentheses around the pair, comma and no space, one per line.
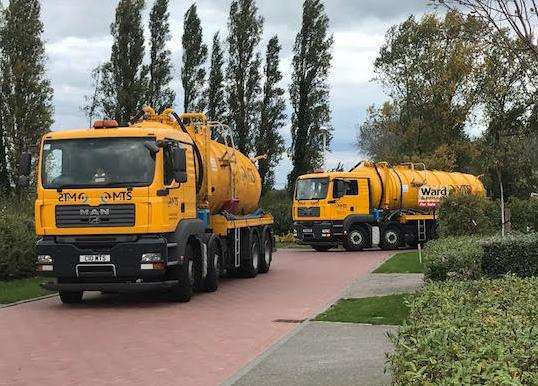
(152,147)
(25,165)
(340,188)
(180,165)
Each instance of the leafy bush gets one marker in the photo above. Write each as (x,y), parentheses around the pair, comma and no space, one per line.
(469,333)
(459,257)
(278,203)
(464,215)
(524,214)
(517,254)
(17,240)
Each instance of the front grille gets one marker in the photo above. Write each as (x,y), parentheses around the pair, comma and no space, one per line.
(85,216)
(308,212)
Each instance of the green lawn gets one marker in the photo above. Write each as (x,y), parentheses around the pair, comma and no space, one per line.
(389,309)
(404,262)
(22,289)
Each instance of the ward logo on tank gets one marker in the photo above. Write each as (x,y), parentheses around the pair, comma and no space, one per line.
(430,197)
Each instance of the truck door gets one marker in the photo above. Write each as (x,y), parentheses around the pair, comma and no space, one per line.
(355,197)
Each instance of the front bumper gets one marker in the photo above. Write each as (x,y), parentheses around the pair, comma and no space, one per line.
(318,232)
(112,287)
(125,253)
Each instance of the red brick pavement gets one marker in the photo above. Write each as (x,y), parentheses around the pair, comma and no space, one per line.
(146,340)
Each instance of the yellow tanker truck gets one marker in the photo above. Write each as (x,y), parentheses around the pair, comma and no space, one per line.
(156,205)
(374,204)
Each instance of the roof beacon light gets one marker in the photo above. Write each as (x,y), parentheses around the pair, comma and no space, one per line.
(105,124)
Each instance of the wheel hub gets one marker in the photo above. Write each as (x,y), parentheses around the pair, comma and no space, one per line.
(356,238)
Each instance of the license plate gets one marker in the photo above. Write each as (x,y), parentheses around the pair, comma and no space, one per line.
(95,258)
(307,230)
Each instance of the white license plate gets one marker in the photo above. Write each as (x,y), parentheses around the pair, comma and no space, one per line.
(307,230)
(95,258)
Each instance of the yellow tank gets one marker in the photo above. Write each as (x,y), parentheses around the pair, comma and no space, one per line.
(400,186)
(230,180)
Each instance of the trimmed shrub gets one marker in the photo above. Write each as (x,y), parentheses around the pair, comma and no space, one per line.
(278,203)
(457,257)
(516,254)
(17,240)
(523,214)
(469,333)
(467,215)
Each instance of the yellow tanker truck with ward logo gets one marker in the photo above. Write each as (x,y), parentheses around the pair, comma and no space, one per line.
(157,205)
(374,204)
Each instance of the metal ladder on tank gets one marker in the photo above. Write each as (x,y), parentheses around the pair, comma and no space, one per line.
(237,245)
(421,228)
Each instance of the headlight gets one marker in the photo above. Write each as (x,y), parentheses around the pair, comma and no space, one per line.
(151,257)
(44,259)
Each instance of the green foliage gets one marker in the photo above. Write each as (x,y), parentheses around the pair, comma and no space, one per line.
(124,82)
(245,29)
(216,104)
(26,110)
(453,257)
(268,141)
(159,93)
(388,310)
(469,333)
(21,289)
(524,214)
(465,215)
(17,239)
(515,254)
(309,91)
(194,58)
(278,203)
(404,262)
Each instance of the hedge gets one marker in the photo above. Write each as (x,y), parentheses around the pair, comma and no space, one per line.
(524,214)
(278,203)
(470,258)
(17,240)
(469,333)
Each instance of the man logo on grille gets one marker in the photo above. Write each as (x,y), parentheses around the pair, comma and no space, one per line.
(94,212)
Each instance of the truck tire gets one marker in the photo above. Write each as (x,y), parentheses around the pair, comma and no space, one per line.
(391,238)
(266,254)
(71,297)
(356,239)
(250,266)
(214,255)
(182,292)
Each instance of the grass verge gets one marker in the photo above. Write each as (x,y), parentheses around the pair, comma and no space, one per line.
(21,289)
(404,262)
(391,310)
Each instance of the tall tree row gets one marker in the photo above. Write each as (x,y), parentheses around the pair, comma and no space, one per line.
(160,95)
(25,92)
(216,103)
(309,91)
(124,77)
(269,142)
(245,28)
(194,57)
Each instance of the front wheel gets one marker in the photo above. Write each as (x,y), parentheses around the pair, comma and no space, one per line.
(391,239)
(71,297)
(356,239)
(183,290)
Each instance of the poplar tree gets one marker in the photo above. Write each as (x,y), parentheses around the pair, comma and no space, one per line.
(309,90)
(216,105)
(243,73)
(160,95)
(268,140)
(4,183)
(124,77)
(26,108)
(194,57)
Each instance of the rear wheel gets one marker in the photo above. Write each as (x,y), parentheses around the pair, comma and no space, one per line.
(71,297)
(356,239)
(183,290)
(391,238)
(267,254)
(211,281)
(250,266)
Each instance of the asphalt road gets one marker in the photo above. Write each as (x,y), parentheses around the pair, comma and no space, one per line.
(147,340)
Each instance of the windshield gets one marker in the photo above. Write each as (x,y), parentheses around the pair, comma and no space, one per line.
(97,162)
(311,189)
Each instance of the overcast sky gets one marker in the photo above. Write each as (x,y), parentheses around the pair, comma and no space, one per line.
(78,38)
